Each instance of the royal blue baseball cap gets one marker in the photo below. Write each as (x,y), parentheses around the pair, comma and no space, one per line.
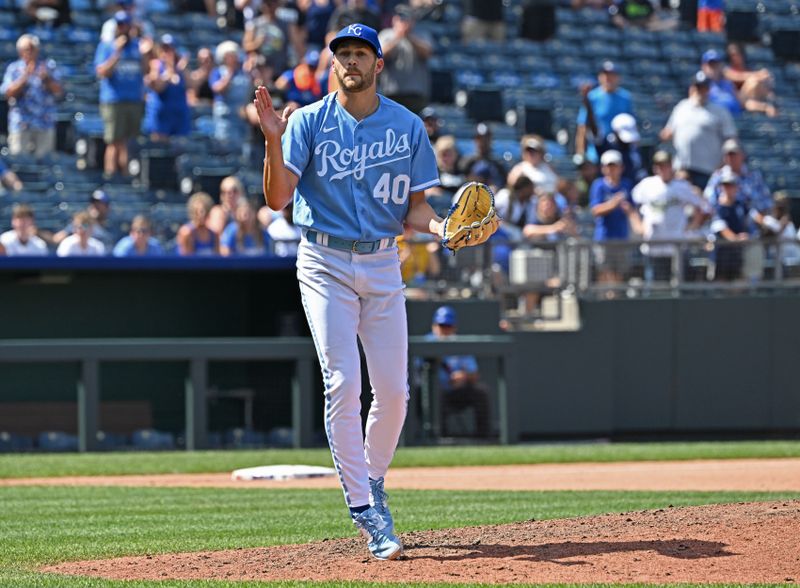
(445,315)
(122,17)
(711,55)
(360,32)
(312,57)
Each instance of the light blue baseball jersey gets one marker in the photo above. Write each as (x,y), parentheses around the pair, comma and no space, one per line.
(356,176)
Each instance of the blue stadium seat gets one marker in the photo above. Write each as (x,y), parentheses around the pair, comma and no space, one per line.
(57,441)
(591,15)
(647,67)
(508,79)
(649,51)
(601,50)
(279,437)
(14,442)
(244,438)
(110,441)
(81,35)
(86,19)
(636,34)
(678,50)
(560,49)
(470,77)
(150,439)
(8,29)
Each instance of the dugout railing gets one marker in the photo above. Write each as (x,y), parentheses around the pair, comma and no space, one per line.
(198,352)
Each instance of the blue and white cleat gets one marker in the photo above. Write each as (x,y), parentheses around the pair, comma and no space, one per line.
(381,542)
(378,499)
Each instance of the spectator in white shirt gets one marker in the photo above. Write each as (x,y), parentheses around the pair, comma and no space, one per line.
(81,243)
(663,200)
(534,166)
(22,239)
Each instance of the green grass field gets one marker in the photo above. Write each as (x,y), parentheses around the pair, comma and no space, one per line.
(41,525)
(15,466)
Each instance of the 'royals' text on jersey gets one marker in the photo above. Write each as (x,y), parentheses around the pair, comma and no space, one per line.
(356,176)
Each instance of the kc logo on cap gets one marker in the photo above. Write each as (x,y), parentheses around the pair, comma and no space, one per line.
(357,31)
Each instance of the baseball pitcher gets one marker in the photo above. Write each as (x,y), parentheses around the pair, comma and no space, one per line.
(356,166)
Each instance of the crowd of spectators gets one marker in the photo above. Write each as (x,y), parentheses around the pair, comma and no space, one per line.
(149,84)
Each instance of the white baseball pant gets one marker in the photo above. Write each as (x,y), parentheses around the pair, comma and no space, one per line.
(347,295)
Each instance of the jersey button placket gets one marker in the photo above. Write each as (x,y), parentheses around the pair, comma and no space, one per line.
(357,186)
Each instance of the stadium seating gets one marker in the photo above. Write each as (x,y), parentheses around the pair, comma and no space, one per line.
(536,81)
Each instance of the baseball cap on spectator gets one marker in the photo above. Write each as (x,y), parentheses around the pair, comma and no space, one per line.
(533,143)
(711,55)
(481,169)
(610,157)
(731,146)
(662,156)
(728,176)
(312,57)
(608,67)
(624,125)
(482,129)
(167,40)
(700,79)
(428,112)
(445,315)
(122,17)
(99,196)
(360,32)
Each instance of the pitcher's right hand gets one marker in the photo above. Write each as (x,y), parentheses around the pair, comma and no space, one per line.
(272,125)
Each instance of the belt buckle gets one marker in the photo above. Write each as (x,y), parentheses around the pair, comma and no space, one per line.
(354,249)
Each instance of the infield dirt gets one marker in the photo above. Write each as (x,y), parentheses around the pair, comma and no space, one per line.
(738,543)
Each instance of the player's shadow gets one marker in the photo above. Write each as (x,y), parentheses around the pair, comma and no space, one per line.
(561,552)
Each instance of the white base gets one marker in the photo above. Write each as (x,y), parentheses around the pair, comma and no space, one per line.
(282,472)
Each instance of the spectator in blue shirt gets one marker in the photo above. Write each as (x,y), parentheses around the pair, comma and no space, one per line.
(232,88)
(612,206)
(458,376)
(244,235)
(120,65)
(601,105)
(31,87)
(752,190)
(167,112)
(729,225)
(610,200)
(140,242)
(722,91)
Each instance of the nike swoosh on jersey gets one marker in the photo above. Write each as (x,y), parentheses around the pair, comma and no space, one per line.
(329,129)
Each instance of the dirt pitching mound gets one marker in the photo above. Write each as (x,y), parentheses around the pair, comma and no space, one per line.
(737,543)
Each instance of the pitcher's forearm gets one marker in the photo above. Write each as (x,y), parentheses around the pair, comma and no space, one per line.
(279,182)
(422,218)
